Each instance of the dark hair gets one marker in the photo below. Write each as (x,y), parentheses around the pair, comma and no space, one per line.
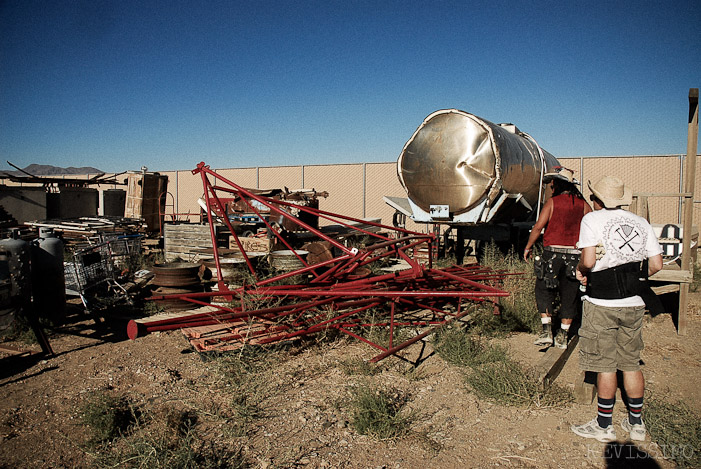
(563,187)
(594,198)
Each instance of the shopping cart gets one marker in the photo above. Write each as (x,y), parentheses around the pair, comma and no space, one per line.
(125,250)
(92,275)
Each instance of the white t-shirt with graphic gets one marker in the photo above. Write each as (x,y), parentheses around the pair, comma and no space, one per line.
(625,237)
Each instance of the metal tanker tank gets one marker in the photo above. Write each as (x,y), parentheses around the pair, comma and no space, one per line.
(48,276)
(461,169)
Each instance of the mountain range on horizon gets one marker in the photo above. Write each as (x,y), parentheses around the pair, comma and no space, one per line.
(49,170)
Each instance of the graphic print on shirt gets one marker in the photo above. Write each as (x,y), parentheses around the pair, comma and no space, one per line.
(625,239)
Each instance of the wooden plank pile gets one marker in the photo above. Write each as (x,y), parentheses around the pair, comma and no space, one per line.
(85,227)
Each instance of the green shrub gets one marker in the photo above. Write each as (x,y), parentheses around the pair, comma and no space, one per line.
(445,262)
(358,366)
(152,308)
(180,422)
(518,310)
(108,416)
(252,301)
(507,382)
(379,412)
(462,348)
(676,429)
(246,376)
(493,375)
(158,450)
(376,330)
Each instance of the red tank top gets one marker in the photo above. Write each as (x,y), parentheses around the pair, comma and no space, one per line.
(563,227)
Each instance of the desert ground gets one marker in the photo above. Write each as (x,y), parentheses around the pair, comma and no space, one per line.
(303,415)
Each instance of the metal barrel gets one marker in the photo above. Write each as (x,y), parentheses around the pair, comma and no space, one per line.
(176,274)
(232,269)
(286,260)
(176,278)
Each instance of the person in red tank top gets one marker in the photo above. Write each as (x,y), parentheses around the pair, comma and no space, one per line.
(555,268)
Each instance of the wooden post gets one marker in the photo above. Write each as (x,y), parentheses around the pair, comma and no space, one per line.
(585,387)
(689,186)
(550,366)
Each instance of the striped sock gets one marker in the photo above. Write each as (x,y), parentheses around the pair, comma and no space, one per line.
(635,410)
(605,411)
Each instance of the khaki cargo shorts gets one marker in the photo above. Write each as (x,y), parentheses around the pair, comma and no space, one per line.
(610,339)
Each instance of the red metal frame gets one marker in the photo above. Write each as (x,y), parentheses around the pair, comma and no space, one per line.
(335,297)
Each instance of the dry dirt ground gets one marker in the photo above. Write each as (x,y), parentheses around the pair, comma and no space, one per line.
(305,417)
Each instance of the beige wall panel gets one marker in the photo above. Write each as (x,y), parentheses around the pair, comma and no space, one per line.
(189,189)
(643,174)
(171,180)
(575,164)
(661,174)
(382,180)
(344,183)
(172,186)
(280,177)
(171,202)
(244,177)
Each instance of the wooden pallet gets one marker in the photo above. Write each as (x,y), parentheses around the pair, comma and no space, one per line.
(188,241)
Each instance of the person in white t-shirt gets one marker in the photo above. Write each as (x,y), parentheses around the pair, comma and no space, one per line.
(619,250)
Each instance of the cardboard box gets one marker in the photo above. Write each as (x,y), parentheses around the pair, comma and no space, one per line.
(250,244)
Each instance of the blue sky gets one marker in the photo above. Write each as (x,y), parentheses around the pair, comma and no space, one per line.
(121,84)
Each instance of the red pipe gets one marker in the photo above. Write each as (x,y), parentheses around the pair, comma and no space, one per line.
(388,294)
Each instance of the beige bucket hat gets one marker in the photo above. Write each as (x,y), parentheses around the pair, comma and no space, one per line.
(560,173)
(611,191)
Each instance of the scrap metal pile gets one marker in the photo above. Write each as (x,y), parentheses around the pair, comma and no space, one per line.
(346,292)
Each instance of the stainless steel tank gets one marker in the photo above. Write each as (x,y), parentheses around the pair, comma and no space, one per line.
(460,168)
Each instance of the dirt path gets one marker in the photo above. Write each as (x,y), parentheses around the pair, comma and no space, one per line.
(305,414)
